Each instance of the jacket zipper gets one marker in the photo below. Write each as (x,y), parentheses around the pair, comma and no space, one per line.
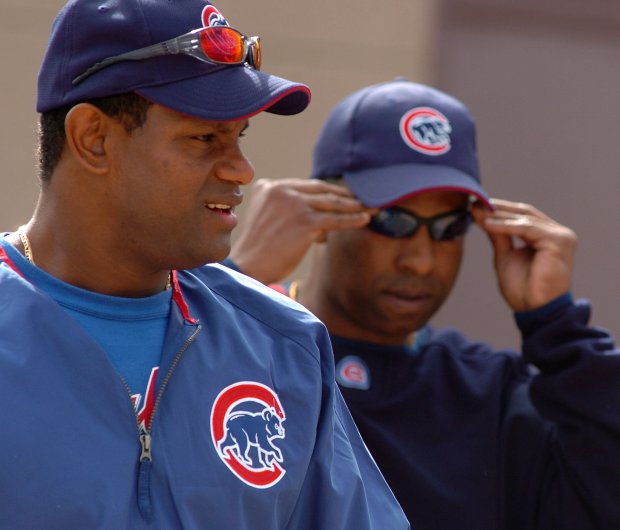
(146,458)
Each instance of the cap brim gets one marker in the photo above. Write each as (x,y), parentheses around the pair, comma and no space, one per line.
(231,93)
(383,186)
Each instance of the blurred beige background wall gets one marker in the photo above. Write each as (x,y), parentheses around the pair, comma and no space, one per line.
(541,78)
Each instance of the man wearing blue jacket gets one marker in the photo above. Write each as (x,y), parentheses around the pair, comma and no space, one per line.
(140,388)
(467,437)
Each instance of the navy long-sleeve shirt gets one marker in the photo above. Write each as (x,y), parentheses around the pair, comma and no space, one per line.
(474,439)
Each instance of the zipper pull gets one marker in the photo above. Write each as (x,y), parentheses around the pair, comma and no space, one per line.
(144,478)
(145,442)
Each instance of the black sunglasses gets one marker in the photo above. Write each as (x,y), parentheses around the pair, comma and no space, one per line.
(399,223)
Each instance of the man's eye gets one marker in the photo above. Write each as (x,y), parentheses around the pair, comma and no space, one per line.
(207,138)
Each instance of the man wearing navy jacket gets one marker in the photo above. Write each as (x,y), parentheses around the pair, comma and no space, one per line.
(467,437)
(140,388)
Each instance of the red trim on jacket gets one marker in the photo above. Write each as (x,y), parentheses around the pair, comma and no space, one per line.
(177,296)
(279,288)
(4,257)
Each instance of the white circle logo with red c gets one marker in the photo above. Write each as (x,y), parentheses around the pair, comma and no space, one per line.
(426,130)
(246,425)
(352,372)
(212,17)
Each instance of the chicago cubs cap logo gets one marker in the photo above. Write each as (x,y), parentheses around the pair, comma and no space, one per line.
(352,372)
(246,419)
(212,17)
(426,130)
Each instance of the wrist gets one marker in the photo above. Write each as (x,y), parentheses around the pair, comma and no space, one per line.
(542,313)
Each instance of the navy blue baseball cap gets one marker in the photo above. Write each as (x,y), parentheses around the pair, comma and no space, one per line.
(88,31)
(393,140)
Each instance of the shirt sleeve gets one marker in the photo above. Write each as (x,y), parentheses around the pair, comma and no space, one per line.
(577,393)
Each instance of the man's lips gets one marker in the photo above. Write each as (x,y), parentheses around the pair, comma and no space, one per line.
(224,201)
(224,204)
(223,212)
(220,207)
(409,292)
(407,300)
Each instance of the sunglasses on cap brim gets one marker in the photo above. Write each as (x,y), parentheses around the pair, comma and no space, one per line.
(212,44)
(399,223)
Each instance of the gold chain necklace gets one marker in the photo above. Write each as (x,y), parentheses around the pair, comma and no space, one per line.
(28,254)
(293,290)
(27,249)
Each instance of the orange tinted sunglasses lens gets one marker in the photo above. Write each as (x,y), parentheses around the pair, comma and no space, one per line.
(256,52)
(223,44)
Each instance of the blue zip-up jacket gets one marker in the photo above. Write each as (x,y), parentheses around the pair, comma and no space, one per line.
(249,430)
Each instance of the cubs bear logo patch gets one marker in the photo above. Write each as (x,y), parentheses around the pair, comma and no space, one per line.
(426,130)
(246,425)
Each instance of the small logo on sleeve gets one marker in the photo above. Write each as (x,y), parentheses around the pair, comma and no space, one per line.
(426,130)
(352,372)
(246,425)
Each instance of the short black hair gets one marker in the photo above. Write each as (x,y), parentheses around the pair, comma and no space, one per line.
(131,110)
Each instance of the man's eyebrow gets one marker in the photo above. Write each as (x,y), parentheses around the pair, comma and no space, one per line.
(229,126)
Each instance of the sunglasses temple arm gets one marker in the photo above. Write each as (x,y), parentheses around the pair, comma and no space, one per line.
(169,47)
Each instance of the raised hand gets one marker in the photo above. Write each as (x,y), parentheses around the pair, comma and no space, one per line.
(533,253)
(285,217)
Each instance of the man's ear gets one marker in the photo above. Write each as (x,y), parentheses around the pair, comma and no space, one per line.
(87,128)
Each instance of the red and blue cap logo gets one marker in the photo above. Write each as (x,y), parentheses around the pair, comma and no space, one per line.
(426,130)
(246,420)
(352,372)
(212,17)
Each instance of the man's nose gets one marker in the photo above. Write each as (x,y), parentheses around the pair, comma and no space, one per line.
(236,167)
(417,253)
